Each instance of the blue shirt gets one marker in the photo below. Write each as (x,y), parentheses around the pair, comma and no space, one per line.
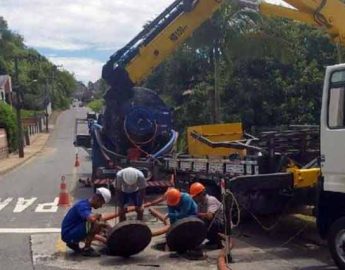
(187,207)
(76,215)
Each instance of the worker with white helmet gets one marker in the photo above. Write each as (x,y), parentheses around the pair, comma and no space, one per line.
(80,224)
(130,187)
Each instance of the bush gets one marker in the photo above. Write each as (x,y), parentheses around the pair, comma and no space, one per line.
(8,121)
(96,105)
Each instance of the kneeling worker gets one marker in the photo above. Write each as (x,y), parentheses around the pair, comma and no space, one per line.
(130,186)
(80,224)
(180,205)
(210,210)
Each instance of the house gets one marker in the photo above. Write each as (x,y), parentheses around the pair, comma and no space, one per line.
(6,89)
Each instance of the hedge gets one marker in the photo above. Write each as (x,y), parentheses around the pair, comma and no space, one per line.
(8,122)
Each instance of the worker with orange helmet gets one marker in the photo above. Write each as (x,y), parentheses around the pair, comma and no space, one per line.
(210,210)
(180,205)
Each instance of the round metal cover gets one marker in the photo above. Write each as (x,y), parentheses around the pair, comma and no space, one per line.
(186,234)
(128,238)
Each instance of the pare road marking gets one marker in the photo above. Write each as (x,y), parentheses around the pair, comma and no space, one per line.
(24,203)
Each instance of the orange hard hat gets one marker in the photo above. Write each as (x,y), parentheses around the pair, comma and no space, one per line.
(173,196)
(196,188)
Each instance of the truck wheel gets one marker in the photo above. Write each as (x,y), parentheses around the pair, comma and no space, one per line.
(336,242)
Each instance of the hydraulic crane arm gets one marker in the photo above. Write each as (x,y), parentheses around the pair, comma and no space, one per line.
(135,61)
(328,14)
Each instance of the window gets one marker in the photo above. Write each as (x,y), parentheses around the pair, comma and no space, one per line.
(336,102)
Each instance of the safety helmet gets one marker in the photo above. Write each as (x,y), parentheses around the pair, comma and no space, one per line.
(130,176)
(196,188)
(105,193)
(173,196)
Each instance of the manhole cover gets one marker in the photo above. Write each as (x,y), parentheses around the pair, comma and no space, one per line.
(186,234)
(128,238)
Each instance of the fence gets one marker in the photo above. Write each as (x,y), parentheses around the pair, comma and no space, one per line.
(32,126)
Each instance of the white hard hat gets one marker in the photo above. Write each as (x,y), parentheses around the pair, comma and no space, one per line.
(130,176)
(105,193)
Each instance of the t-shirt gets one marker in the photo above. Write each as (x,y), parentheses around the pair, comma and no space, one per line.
(121,185)
(187,207)
(76,215)
(211,205)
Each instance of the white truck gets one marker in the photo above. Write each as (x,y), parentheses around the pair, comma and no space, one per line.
(331,201)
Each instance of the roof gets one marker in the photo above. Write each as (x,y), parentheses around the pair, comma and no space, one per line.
(4,79)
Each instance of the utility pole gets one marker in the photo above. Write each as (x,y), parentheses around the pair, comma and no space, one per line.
(47,100)
(48,96)
(19,97)
(20,142)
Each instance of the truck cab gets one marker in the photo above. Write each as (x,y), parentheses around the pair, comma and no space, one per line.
(331,202)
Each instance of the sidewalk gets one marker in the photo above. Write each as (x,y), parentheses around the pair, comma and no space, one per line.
(13,161)
(38,142)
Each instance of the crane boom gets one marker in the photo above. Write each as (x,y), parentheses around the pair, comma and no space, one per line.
(328,14)
(135,61)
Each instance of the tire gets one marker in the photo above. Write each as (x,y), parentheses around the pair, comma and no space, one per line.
(336,242)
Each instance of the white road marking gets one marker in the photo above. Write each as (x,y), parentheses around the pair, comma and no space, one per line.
(22,204)
(51,207)
(29,230)
(4,203)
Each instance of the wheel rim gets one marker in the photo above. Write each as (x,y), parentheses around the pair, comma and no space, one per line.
(340,245)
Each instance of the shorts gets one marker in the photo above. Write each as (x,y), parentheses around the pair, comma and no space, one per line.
(77,233)
(126,198)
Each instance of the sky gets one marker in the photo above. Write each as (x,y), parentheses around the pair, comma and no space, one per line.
(80,35)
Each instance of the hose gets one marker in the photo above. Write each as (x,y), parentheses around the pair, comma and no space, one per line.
(168,146)
(157,214)
(100,143)
(108,216)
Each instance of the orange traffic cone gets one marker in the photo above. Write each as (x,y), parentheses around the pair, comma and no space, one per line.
(76,163)
(63,196)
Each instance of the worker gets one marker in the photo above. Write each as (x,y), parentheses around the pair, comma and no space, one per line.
(180,205)
(130,187)
(80,224)
(210,210)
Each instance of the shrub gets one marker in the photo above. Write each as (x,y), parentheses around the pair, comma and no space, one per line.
(96,105)
(8,121)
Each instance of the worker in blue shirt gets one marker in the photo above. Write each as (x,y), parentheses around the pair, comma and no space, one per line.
(180,205)
(80,224)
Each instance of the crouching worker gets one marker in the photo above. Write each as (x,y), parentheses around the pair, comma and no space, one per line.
(210,210)
(80,224)
(180,205)
(130,187)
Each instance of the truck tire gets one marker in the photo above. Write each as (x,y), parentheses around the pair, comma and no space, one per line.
(336,242)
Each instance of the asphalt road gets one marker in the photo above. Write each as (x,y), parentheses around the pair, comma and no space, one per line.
(27,193)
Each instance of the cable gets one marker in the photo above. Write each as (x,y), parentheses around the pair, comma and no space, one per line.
(294,236)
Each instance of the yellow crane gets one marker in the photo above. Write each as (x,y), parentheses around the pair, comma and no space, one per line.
(327,14)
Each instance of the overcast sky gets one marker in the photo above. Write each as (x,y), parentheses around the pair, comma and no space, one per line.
(77,34)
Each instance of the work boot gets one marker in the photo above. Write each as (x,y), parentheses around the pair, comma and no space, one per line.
(74,246)
(90,252)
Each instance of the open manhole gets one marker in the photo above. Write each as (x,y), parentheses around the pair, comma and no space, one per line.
(128,238)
